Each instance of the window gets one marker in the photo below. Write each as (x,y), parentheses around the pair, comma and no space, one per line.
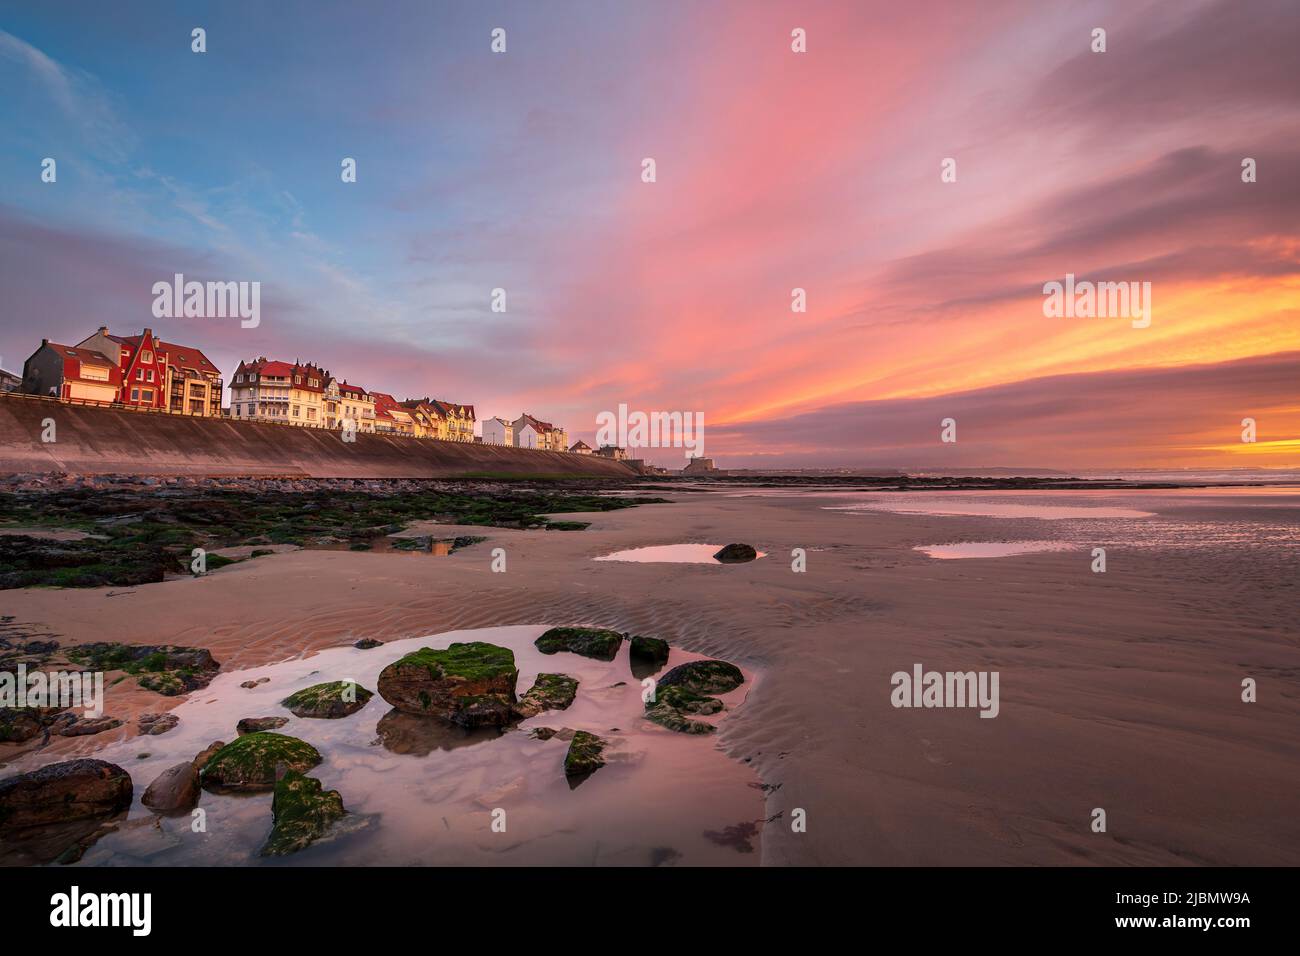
(147,357)
(147,395)
(295,411)
(135,395)
(311,414)
(150,375)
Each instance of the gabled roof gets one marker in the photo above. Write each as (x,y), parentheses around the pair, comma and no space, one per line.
(345,388)
(83,355)
(451,408)
(267,367)
(537,423)
(89,357)
(579,444)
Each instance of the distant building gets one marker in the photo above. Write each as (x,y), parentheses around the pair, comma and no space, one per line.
(344,402)
(259,391)
(158,374)
(530,432)
(699,466)
(459,420)
(71,373)
(612,451)
(390,417)
(498,431)
(580,447)
(9,382)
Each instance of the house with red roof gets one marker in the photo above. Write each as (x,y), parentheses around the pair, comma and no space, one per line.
(530,432)
(265,390)
(390,417)
(72,374)
(344,402)
(158,374)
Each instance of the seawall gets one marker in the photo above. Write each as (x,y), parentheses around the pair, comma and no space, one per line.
(98,440)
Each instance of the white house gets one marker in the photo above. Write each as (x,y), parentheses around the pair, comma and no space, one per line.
(498,431)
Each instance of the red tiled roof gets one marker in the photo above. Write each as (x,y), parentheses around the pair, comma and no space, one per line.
(268,367)
(351,389)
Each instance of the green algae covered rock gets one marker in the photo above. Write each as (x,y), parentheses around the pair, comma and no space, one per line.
(673,705)
(597,642)
(704,677)
(650,649)
(471,684)
(549,692)
(584,754)
(249,763)
(328,701)
(304,812)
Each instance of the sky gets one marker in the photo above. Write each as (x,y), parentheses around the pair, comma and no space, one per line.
(775,170)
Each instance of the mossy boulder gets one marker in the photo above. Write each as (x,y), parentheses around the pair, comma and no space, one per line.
(63,792)
(736,554)
(303,812)
(673,706)
(166,669)
(648,649)
(470,684)
(597,642)
(704,677)
(250,762)
(584,755)
(549,692)
(328,701)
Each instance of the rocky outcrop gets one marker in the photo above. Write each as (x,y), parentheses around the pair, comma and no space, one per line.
(94,725)
(328,701)
(736,554)
(549,692)
(174,790)
(63,792)
(648,649)
(304,812)
(250,763)
(584,755)
(366,643)
(21,724)
(472,684)
(704,677)
(596,642)
(167,669)
(153,724)
(253,725)
(250,684)
(673,707)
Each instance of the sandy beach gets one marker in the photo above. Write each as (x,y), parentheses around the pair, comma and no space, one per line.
(1119,690)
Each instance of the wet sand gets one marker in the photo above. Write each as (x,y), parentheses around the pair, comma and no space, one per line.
(1118,690)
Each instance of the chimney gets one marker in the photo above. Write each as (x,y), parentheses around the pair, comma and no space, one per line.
(103,330)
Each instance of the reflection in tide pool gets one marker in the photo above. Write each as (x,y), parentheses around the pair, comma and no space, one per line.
(420,792)
(990,549)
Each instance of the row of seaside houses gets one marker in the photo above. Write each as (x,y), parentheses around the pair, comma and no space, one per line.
(143,371)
